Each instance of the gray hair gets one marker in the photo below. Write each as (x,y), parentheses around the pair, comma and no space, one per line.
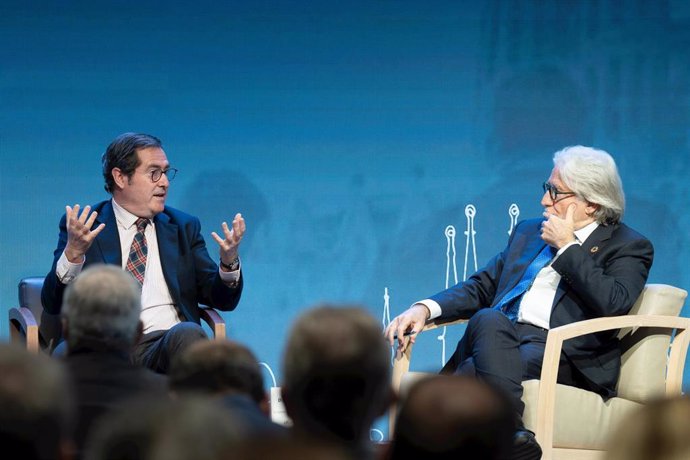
(593,176)
(103,304)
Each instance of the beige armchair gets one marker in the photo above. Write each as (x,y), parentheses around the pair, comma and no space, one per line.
(38,330)
(571,423)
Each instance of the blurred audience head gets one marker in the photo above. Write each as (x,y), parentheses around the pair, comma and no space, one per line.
(36,405)
(658,430)
(218,367)
(193,428)
(336,372)
(450,417)
(101,308)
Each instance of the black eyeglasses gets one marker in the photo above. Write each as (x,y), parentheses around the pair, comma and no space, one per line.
(156,174)
(554,192)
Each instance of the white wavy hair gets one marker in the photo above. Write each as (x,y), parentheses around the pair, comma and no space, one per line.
(593,176)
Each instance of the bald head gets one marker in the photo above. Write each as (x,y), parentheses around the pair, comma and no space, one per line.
(453,417)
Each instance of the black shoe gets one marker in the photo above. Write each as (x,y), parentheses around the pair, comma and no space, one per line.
(525,446)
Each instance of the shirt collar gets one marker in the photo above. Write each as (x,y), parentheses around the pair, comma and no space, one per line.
(124,218)
(582,234)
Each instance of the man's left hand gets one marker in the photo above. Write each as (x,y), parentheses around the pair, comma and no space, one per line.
(557,232)
(230,244)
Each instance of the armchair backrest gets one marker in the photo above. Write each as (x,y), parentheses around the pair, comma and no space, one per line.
(642,372)
(49,326)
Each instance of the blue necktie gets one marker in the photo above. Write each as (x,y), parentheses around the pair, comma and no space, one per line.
(510,304)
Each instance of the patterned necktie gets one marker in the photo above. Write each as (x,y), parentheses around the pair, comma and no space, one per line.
(136,263)
(510,304)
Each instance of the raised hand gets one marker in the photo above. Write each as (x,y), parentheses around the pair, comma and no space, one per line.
(80,235)
(558,232)
(230,244)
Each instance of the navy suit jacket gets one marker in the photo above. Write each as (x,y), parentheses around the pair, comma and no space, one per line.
(602,277)
(190,273)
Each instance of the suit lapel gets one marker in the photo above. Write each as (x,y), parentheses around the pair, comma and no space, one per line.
(108,241)
(168,247)
(597,239)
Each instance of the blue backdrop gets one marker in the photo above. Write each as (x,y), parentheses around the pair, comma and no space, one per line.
(349,134)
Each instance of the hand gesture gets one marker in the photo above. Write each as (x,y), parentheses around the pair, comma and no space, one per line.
(80,236)
(231,242)
(411,321)
(557,232)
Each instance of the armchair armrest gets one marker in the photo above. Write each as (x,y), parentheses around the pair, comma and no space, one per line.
(552,353)
(401,365)
(214,320)
(24,328)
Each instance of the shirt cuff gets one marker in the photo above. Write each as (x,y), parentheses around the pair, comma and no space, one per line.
(66,271)
(230,278)
(433,306)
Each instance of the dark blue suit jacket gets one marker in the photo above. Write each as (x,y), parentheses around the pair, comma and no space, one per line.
(192,276)
(603,277)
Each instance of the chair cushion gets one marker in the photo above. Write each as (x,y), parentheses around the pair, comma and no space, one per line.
(642,371)
(584,420)
(660,299)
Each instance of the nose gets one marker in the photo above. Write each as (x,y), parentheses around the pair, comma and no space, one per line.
(546,200)
(164,181)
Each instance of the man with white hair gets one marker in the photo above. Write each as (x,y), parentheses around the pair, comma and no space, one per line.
(578,262)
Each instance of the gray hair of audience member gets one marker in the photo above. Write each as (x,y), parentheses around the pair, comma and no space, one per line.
(336,372)
(593,176)
(657,430)
(103,304)
(449,417)
(193,428)
(37,415)
(216,367)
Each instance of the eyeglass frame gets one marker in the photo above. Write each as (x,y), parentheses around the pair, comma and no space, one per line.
(554,192)
(160,173)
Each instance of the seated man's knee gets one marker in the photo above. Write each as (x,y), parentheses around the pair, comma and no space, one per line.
(488,318)
(186,331)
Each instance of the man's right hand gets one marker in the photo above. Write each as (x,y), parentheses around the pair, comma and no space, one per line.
(79,233)
(411,320)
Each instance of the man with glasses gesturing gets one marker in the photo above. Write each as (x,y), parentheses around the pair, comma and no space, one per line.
(160,246)
(577,262)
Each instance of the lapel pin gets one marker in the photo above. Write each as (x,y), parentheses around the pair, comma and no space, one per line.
(594,249)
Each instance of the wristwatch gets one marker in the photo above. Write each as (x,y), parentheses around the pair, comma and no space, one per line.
(232,266)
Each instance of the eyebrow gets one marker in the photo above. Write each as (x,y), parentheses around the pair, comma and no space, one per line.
(151,167)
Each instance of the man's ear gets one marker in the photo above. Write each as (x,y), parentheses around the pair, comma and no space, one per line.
(119,177)
(591,209)
(265,405)
(66,450)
